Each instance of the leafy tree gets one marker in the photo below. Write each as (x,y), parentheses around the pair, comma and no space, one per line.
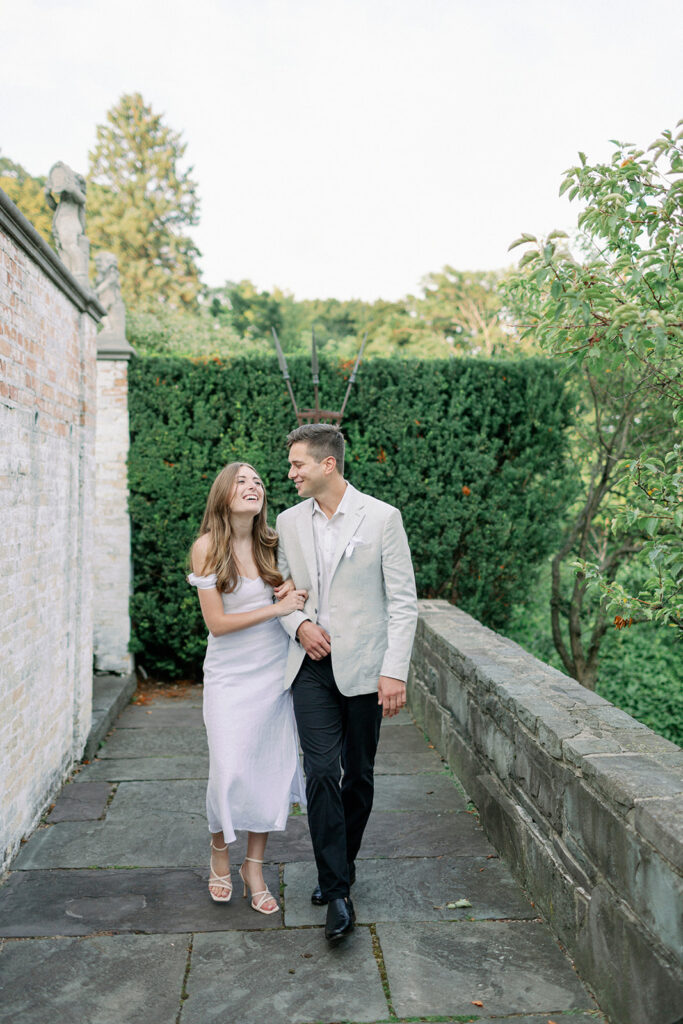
(609,419)
(252,314)
(140,203)
(614,311)
(464,310)
(338,324)
(458,313)
(176,332)
(27,192)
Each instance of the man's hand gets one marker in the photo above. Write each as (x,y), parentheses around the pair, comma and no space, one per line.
(391,694)
(314,640)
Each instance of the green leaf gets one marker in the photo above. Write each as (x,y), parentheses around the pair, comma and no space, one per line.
(521,240)
(529,257)
(651,526)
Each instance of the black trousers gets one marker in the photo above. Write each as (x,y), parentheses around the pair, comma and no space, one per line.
(339,737)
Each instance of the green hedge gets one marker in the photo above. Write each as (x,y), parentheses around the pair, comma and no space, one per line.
(472,452)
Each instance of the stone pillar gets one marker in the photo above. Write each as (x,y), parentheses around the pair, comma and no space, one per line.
(112,563)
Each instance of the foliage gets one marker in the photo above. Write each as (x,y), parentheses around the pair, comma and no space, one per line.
(640,671)
(457,313)
(462,310)
(140,203)
(250,313)
(615,311)
(607,417)
(660,515)
(472,452)
(27,193)
(178,333)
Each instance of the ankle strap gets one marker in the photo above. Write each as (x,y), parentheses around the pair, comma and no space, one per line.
(218,849)
(254,860)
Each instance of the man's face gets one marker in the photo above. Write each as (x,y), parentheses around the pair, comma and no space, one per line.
(308,475)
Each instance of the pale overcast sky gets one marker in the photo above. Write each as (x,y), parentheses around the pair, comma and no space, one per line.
(348,147)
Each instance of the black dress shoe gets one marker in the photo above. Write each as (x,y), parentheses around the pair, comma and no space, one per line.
(317,898)
(340,918)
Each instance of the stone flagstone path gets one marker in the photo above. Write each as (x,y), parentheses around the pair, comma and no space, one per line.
(106,919)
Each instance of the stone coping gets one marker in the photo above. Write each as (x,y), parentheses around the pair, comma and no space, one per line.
(113,349)
(23,233)
(110,695)
(626,762)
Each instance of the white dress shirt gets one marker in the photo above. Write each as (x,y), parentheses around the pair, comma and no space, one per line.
(325,536)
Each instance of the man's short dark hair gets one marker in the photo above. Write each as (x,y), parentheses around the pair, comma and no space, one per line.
(322,439)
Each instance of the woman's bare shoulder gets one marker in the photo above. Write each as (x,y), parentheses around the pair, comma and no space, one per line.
(200,550)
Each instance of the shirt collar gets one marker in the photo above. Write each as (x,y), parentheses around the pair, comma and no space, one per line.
(342,507)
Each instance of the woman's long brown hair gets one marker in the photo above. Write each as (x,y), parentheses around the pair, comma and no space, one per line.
(220,557)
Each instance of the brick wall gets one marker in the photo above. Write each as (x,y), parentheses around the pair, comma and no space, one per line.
(47,470)
(585,804)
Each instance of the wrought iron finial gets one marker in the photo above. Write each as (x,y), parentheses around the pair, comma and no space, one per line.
(316,414)
(285,371)
(352,378)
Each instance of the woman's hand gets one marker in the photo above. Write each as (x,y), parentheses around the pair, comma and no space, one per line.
(284,588)
(292,602)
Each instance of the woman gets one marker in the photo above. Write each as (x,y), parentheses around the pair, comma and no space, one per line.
(254,770)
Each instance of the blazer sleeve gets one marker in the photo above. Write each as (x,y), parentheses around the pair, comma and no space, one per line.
(282,563)
(399,586)
(290,623)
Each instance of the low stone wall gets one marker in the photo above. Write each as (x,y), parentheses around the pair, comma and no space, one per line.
(585,804)
(47,476)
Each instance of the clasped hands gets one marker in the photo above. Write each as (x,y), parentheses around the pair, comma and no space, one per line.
(288,599)
(391,693)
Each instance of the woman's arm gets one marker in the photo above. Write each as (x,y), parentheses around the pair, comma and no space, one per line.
(218,622)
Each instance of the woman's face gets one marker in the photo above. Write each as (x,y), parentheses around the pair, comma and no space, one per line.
(247,492)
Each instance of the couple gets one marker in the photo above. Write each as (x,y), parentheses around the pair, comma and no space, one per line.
(345,595)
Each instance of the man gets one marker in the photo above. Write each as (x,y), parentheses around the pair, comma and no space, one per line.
(349,649)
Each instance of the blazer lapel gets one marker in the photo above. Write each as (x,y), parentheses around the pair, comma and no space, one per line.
(353,517)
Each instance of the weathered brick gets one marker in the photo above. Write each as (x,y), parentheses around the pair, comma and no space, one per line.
(48,350)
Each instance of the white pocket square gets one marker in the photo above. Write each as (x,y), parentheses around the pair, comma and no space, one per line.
(355,542)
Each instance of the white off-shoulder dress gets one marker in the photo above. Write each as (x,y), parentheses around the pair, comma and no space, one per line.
(254,769)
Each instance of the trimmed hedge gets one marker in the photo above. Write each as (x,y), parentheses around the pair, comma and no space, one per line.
(472,452)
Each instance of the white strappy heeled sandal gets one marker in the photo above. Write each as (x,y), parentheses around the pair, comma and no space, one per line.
(219,881)
(259,898)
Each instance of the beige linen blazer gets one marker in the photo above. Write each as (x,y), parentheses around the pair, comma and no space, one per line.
(372,602)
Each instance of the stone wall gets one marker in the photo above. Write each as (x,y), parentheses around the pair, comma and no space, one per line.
(47,476)
(112,568)
(584,803)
